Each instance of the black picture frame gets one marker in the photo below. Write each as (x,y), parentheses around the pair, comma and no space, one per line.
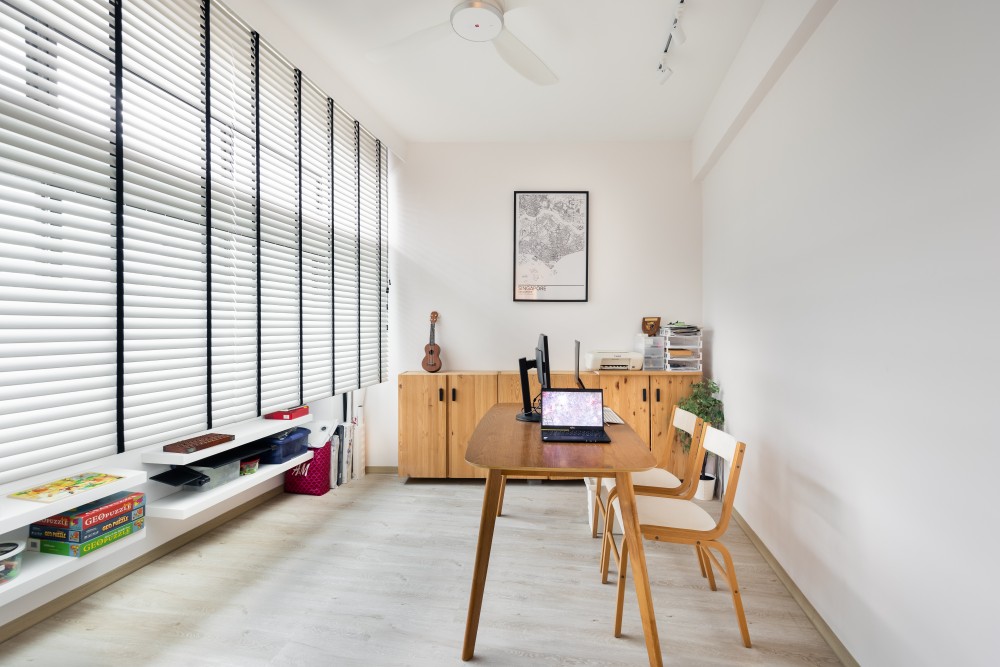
(551,257)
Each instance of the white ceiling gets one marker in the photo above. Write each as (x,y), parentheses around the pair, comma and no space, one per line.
(605,53)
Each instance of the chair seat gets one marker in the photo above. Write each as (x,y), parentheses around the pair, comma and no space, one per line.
(672,513)
(652,477)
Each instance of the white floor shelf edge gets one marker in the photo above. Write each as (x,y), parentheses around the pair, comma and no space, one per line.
(245,432)
(185,504)
(38,570)
(15,513)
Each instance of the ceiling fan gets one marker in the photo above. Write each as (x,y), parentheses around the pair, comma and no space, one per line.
(476,21)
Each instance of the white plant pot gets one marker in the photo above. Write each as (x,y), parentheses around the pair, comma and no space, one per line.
(706,488)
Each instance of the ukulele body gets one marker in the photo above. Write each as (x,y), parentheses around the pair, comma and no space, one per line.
(432,351)
(432,358)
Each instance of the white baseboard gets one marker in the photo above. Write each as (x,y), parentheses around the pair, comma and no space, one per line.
(824,630)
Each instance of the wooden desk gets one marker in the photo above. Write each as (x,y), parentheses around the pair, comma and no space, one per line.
(506,446)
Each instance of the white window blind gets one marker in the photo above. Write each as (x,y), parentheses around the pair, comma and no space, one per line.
(57,237)
(219,253)
(317,243)
(279,231)
(370,272)
(346,374)
(163,102)
(234,219)
(384,261)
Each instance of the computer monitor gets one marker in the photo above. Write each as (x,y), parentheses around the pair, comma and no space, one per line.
(542,362)
(541,365)
(576,356)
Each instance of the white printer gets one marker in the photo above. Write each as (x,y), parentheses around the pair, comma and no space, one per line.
(613,361)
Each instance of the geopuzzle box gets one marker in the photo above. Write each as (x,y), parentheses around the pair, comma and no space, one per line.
(97,512)
(43,532)
(78,549)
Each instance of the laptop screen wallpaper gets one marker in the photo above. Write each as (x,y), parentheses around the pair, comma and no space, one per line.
(573,408)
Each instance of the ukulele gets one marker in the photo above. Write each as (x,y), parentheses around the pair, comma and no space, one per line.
(432,351)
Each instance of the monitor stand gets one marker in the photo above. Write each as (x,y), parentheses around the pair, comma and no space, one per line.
(526,414)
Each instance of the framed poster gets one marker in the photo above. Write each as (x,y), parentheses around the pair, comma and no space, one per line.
(550,246)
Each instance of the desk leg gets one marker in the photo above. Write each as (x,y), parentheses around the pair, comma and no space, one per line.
(630,520)
(491,503)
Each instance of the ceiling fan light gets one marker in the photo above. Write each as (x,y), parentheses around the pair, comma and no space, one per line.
(477,21)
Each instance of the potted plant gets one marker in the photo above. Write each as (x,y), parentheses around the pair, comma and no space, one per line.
(703,403)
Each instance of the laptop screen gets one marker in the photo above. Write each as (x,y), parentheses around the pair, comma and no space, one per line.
(573,407)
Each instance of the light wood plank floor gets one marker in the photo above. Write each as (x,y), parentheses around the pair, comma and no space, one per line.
(378,573)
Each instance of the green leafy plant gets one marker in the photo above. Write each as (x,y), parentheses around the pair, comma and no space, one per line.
(704,403)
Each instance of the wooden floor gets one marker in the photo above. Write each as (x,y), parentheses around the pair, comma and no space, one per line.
(378,573)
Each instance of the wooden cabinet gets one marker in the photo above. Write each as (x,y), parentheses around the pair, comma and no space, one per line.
(439,411)
(437,414)
(509,383)
(644,400)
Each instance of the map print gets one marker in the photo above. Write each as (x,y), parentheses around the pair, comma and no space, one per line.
(550,253)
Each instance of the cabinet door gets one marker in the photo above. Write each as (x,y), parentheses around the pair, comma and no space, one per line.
(628,395)
(470,396)
(423,450)
(666,391)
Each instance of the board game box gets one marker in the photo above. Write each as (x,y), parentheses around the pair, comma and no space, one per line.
(43,532)
(97,512)
(78,549)
(65,487)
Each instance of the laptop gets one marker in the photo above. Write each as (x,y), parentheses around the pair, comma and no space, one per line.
(573,415)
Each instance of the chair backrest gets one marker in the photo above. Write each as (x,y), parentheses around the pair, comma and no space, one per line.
(731,450)
(693,425)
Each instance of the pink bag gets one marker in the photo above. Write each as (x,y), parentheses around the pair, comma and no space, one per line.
(311,478)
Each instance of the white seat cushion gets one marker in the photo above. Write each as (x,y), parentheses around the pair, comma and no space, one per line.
(670,513)
(673,513)
(653,477)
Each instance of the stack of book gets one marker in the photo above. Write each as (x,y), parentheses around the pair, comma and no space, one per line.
(89,527)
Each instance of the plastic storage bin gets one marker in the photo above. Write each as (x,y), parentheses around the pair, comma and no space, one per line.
(218,472)
(285,446)
(10,560)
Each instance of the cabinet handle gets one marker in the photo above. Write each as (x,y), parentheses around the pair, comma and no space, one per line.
(452,393)
(644,395)
(657,394)
(440,394)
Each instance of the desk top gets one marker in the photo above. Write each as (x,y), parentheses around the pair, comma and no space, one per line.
(501,442)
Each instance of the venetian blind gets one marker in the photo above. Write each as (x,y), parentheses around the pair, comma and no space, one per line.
(233,111)
(346,373)
(166,301)
(369,275)
(279,230)
(218,253)
(57,236)
(317,243)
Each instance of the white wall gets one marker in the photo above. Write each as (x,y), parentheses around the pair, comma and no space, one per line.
(850,282)
(451,235)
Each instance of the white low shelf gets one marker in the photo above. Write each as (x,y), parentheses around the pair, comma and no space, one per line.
(38,570)
(15,513)
(185,504)
(245,432)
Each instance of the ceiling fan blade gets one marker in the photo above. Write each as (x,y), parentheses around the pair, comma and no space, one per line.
(523,59)
(405,46)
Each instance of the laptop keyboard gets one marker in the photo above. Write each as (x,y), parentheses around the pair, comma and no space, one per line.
(611,418)
(573,435)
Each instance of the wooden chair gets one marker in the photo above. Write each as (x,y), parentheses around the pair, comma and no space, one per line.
(654,482)
(685,522)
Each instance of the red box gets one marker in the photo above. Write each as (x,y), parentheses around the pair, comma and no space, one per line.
(290,413)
